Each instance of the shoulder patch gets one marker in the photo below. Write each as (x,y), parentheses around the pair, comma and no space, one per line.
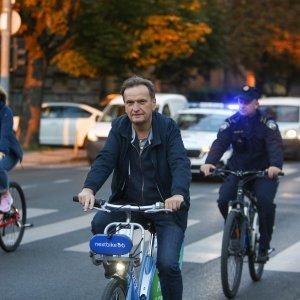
(224,126)
(271,124)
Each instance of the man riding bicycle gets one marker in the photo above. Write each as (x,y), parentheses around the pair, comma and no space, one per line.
(146,153)
(257,145)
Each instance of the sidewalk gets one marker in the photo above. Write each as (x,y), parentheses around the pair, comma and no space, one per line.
(53,157)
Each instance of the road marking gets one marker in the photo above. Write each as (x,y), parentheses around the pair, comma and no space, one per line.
(29,186)
(204,250)
(289,195)
(288,170)
(62,180)
(286,261)
(51,230)
(37,212)
(85,248)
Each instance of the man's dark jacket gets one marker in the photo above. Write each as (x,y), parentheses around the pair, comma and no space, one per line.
(168,155)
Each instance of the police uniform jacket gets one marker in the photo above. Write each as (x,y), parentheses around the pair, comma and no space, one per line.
(255,140)
(168,157)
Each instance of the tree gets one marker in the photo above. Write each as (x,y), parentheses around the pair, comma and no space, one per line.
(47,26)
(150,37)
(258,36)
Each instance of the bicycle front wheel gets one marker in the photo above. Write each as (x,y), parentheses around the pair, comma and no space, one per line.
(11,234)
(232,254)
(114,290)
(255,269)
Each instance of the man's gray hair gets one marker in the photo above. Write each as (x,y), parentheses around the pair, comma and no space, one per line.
(135,81)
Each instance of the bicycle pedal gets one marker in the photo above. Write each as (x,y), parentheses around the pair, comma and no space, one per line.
(271,250)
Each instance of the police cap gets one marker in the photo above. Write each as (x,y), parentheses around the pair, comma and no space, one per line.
(248,93)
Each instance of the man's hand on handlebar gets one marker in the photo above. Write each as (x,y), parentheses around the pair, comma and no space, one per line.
(273,172)
(86,198)
(207,168)
(174,202)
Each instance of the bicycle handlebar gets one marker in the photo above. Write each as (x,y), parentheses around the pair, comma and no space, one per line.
(223,172)
(104,205)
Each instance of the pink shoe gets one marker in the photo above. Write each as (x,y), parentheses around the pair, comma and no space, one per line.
(5,202)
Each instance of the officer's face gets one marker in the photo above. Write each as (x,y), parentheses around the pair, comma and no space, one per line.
(247,108)
(139,105)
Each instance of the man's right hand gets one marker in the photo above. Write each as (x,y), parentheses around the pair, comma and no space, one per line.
(86,198)
(207,168)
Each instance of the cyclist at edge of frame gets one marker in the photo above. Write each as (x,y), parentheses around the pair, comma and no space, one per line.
(10,151)
(146,153)
(257,145)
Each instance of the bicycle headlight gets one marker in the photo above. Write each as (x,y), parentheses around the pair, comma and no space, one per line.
(120,268)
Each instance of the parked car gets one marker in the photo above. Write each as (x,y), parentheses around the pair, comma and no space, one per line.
(286,112)
(199,128)
(166,104)
(65,124)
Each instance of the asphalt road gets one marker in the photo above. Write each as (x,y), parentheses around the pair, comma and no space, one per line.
(53,263)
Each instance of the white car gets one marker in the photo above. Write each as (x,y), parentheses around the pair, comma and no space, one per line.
(64,123)
(286,112)
(166,104)
(199,128)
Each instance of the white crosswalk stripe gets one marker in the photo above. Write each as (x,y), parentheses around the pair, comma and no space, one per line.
(84,247)
(201,251)
(287,260)
(204,250)
(51,230)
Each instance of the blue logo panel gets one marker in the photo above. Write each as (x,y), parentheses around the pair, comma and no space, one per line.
(117,244)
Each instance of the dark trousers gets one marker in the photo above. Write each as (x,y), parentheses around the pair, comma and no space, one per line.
(265,190)
(169,240)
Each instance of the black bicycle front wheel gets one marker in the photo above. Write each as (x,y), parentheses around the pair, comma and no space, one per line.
(232,254)
(12,233)
(256,269)
(114,290)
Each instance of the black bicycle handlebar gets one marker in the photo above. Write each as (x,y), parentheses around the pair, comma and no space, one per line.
(223,172)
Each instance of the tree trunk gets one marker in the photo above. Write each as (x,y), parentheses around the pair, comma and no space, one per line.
(28,131)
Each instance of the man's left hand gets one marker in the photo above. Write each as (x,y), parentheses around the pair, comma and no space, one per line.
(174,202)
(273,172)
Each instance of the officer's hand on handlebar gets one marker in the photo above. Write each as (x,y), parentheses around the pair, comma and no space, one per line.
(2,155)
(273,172)
(207,168)
(174,202)
(86,198)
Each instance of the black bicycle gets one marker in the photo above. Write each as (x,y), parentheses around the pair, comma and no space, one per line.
(13,222)
(241,233)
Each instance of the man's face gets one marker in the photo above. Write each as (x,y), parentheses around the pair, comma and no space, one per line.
(139,105)
(247,108)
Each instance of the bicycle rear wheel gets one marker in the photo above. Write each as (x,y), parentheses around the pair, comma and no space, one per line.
(232,254)
(114,290)
(12,233)
(255,269)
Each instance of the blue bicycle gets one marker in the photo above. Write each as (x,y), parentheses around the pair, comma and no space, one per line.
(123,251)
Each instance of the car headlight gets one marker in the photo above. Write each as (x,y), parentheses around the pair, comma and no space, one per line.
(92,136)
(205,149)
(290,134)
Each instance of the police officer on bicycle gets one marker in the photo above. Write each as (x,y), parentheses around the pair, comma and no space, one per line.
(257,145)
(145,151)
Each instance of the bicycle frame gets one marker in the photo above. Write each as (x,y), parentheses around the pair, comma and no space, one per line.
(147,286)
